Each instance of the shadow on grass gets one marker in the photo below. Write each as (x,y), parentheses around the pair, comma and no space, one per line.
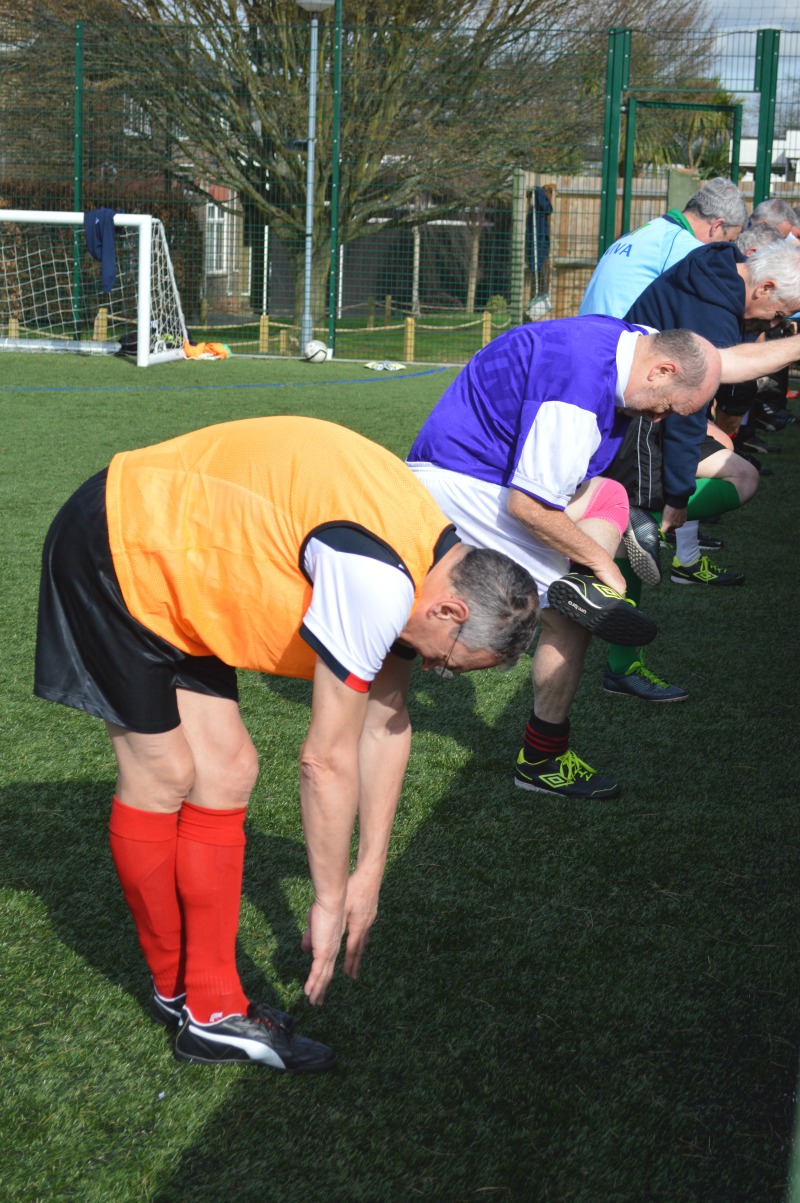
(55,844)
(560,1002)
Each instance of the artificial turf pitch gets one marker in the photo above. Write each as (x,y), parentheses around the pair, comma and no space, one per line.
(574,1001)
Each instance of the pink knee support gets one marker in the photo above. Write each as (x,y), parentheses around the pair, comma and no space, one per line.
(609,502)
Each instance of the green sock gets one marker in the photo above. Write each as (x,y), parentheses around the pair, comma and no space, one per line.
(621,658)
(711,497)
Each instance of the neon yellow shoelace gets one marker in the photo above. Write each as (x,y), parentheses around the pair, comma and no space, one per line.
(572,766)
(639,667)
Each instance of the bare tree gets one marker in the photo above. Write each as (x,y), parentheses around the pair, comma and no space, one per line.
(440,100)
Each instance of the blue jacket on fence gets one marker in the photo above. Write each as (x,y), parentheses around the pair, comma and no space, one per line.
(704,293)
(98,229)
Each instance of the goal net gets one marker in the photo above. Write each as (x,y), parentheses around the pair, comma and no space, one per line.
(51,298)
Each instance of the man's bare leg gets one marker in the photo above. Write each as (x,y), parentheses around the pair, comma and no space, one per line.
(556,669)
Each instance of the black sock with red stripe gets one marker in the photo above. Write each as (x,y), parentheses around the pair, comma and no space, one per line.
(545,741)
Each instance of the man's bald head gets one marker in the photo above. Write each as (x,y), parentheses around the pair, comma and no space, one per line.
(674,371)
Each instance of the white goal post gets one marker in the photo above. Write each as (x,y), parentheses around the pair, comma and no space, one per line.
(51,297)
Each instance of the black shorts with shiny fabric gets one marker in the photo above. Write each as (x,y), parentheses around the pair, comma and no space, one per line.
(91,653)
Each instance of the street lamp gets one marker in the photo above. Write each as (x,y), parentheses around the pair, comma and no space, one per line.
(315,7)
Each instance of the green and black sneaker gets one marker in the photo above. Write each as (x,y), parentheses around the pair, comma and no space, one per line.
(567,775)
(703,572)
(601,610)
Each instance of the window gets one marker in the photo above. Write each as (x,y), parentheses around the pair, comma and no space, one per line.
(216,239)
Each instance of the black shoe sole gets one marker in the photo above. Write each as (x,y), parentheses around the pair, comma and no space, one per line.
(243,1059)
(645,565)
(637,697)
(641,547)
(682,580)
(618,622)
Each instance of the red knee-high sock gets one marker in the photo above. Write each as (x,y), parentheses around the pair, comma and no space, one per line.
(208,870)
(143,845)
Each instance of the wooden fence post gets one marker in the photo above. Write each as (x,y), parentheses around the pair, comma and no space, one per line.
(486,328)
(408,339)
(263,334)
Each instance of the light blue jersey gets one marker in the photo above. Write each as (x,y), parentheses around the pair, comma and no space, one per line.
(633,262)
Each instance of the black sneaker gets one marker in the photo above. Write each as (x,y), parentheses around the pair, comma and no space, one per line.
(567,775)
(606,613)
(772,417)
(751,443)
(703,572)
(641,546)
(639,682)
(263,1036)
(166,1011)
(704,542)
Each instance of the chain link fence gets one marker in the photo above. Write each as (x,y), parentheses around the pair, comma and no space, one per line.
(458,177)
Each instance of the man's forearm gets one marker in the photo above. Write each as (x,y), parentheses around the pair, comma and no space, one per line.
(749,360)
(383,753)
(556,529)
(328,804)
(383,757)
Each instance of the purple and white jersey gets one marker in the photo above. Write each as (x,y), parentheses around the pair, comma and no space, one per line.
(538,409)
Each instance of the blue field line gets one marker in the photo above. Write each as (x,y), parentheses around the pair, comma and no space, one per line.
(177,388)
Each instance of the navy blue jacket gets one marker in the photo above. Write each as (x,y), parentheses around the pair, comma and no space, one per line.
(706,294)
(98,229)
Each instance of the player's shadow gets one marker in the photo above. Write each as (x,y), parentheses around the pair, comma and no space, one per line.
(417,1017)
(55,844)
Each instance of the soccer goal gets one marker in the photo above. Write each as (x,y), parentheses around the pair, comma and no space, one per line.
(51,297)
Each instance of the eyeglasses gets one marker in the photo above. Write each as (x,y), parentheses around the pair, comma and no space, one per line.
(442,671)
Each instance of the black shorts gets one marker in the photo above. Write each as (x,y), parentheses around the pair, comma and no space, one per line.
(736,399)
(91,653)
(709,446)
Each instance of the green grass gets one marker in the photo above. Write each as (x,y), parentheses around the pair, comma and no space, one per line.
(561,1002)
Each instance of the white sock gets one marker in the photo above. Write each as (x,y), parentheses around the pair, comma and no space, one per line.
(687,548)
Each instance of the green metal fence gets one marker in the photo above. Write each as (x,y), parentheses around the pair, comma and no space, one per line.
(463,181)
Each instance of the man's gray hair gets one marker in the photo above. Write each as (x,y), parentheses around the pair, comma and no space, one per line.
(503,603)
(754,237)
(719,198)
(780,262)
(689,354)
(773,211)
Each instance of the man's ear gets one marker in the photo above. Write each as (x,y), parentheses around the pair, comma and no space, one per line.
(449,609)
(662,372)
(765,287)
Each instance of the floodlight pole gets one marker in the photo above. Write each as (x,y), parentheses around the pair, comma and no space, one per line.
(307,320)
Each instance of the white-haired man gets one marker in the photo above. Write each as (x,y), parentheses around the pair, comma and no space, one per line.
(683,469)
(777,213)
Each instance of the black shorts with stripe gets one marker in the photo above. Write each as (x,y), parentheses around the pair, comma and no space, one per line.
(91,653)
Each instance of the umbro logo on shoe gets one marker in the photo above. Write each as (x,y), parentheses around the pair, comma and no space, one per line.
(600,609)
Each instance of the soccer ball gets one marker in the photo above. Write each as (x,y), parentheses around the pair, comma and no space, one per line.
(315,351)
